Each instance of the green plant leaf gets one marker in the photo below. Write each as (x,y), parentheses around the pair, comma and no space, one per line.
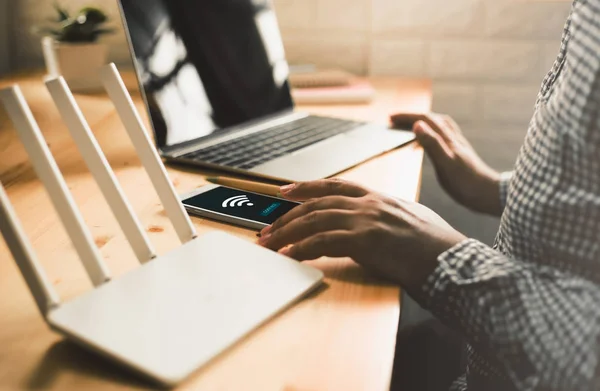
(94,15)
(85,26)
(62,12)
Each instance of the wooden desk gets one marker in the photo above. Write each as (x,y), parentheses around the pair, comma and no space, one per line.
(341,338)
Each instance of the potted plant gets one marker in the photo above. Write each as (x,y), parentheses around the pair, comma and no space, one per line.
(71,47)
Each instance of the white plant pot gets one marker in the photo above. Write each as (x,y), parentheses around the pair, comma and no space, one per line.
(78,63)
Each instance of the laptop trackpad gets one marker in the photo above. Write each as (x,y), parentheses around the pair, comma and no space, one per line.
(325,145)
(317,161)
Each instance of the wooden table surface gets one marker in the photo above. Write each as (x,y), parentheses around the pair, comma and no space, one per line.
(340,338)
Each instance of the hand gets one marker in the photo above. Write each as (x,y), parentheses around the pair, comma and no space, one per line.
(459,169)
(397,239)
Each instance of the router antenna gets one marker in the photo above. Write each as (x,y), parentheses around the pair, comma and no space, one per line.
(48,172)
(113,83)
(44,294)
(100,169)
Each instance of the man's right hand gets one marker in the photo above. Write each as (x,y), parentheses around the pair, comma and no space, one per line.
(459,169)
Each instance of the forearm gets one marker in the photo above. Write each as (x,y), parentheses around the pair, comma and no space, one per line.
(494,193)
(541,325)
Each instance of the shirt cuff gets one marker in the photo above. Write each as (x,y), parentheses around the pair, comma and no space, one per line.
(455,267)
(505,178)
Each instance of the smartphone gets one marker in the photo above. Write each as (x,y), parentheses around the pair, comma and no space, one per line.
(238,207)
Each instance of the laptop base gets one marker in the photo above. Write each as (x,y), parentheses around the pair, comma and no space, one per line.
(334,155)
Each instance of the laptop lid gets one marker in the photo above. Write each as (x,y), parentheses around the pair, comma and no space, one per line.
(206,65)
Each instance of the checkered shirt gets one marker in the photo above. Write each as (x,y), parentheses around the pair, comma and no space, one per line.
(529,308)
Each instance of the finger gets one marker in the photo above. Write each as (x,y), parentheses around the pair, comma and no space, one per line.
(322,188)
(333,202)
(409,120)
(439,125)
(432,142)
(328,244)
(406,120)
(451,123)
(306,226)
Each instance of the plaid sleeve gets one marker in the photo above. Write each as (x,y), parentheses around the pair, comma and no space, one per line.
(504,183)
(542,327)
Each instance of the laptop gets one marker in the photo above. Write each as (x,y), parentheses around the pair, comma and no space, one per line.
(214,78)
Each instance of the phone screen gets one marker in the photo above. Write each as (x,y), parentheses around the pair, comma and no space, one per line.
(242,204)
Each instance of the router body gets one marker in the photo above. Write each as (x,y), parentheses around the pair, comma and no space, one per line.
(175,312)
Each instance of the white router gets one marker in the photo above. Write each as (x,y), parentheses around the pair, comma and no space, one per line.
(177,311)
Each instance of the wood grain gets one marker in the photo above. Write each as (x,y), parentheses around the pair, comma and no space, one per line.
(340,338)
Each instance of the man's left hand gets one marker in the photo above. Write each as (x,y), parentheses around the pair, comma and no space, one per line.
(397,239)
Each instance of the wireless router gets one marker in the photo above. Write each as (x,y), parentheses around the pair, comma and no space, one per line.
(176,311)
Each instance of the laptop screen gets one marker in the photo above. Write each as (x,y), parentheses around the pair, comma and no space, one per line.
(205,65)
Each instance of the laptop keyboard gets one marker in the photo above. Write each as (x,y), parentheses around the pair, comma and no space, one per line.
(257,148)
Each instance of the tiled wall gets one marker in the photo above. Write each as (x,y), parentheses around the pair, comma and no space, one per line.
(486,57)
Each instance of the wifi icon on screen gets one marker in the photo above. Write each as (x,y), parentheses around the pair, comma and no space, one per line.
(241,200)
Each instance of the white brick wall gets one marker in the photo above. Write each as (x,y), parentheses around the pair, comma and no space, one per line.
(427,18)
(348,52)
(534,19)
(460,99)
(508,104)
(484,60)
(486,57)
(399,57)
